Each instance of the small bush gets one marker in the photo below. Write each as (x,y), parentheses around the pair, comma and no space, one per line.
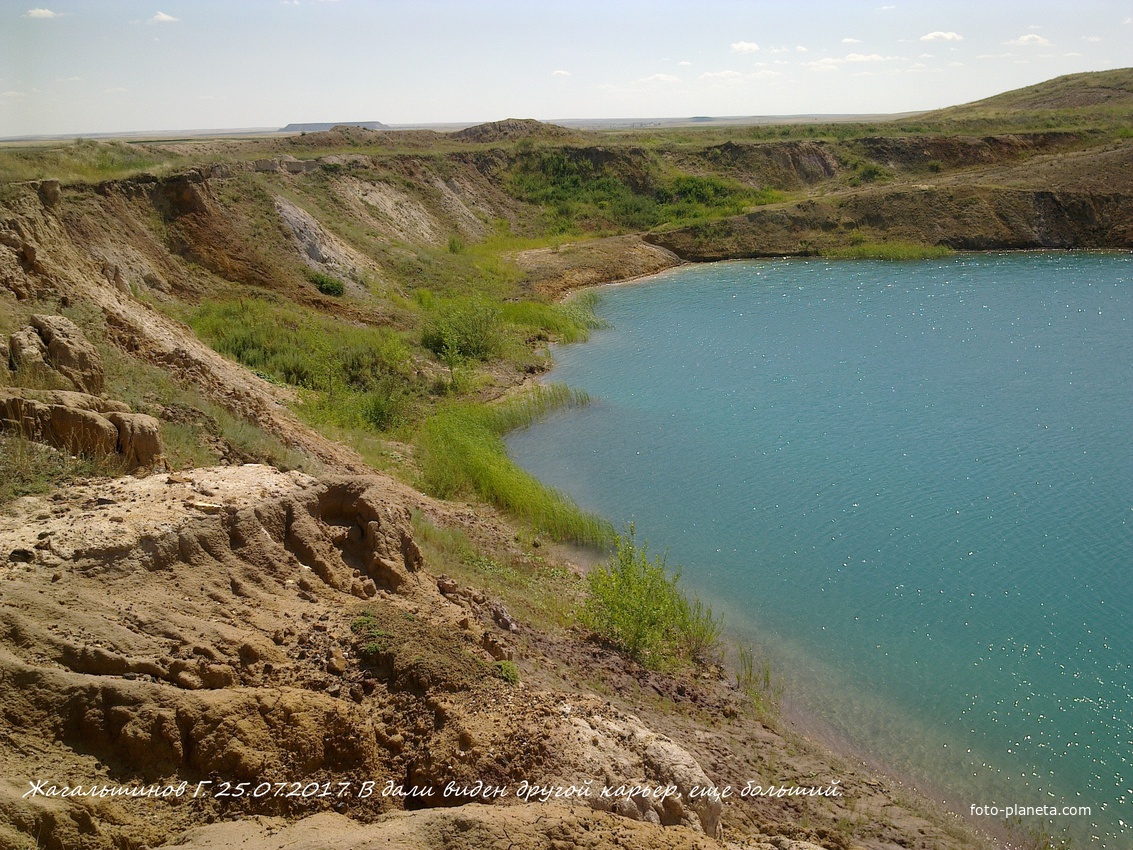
(635,604)
(868,172)
(507,671)
(326,284)
(463,328)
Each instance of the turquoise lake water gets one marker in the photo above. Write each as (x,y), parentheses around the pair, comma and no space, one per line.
(910,484)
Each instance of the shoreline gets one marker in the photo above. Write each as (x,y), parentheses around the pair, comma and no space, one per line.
(812,727)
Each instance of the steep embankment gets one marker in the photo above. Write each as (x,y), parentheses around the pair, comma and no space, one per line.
(992,194)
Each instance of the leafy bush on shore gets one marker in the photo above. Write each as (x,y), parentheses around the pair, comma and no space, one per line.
(463,328)
(635,604)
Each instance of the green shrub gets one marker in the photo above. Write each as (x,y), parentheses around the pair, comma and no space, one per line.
(463,328)
(635,604)
(508,671)
(326,284)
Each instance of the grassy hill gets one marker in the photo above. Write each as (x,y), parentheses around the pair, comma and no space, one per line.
(1100,98)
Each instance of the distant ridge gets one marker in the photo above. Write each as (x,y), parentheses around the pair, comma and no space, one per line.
(320,128)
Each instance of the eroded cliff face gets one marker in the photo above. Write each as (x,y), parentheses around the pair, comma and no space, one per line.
(241,624)
(960,217)
(1079,200)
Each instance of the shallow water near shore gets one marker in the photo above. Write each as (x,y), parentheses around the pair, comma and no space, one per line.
(910,483)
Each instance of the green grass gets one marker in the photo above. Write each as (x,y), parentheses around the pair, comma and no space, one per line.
(888,251)
(461,454)
(570,321)
(587,190)
(83,160)
(354,376)
(757,682)
(636,604)
(537,593)
(29,469)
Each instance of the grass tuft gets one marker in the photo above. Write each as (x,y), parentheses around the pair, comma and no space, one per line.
(759,685)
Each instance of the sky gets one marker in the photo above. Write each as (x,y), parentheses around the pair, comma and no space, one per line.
(104,66)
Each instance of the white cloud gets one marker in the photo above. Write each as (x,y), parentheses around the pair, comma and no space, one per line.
(736,76)
(560,73)
(744,47)
(42,14)
(886,8)
(801,49)
(942,36)
(683,64)
(831,63)
(851,41)
(1031,40)
(1092,38)
(1128,21)
(14,94)
(162,18)
(1071,55)
(660,78)
(827,64)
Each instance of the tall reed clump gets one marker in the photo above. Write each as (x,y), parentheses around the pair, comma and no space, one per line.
(635,604)
(756,681)
(460,451)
